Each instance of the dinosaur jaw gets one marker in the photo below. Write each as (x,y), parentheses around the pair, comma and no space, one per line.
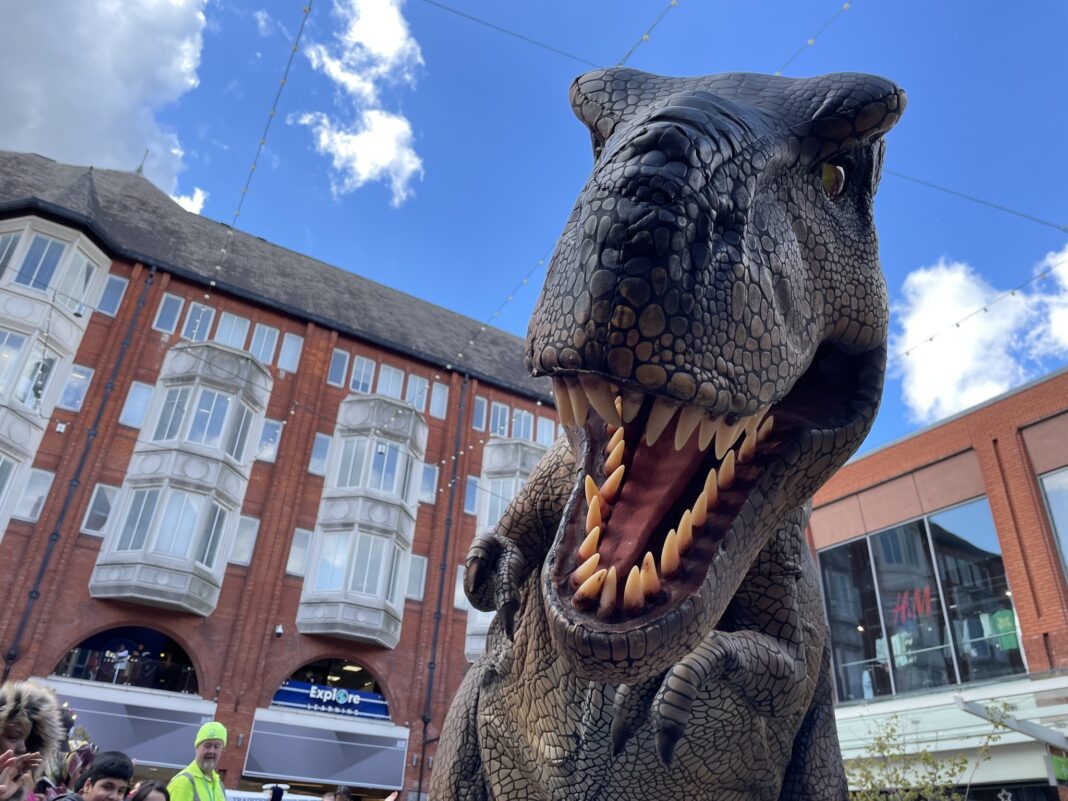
(672,500)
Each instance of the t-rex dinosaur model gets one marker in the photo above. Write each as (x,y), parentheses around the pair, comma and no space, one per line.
(715,321)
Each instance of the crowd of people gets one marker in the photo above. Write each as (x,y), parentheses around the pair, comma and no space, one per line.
(43,757)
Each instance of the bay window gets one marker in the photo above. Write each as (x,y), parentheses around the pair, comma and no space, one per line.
(209,417)
(387,470)
(73,287)
(40,263)
(138,520)
(10,349)
(172,414)
(36,376)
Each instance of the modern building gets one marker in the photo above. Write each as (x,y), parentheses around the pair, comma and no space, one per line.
(238,483)
(943,564)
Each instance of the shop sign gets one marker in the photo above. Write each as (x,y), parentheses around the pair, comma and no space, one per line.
(336,700)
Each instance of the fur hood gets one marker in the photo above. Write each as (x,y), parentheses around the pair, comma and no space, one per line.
(37,704)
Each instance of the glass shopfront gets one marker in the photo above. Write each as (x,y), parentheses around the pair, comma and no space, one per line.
(920,606)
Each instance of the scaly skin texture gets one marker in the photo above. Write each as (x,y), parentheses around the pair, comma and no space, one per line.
(715,322)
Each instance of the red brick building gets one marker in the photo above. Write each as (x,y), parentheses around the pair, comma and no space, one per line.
(237,483)
(942,557)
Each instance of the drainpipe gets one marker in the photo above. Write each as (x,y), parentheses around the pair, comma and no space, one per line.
(443,572)
(13,652)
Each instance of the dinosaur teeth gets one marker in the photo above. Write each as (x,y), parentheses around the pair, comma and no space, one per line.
(700,509)
(708,430)
(765,428)
(669,554)
(685,532)
(610,488)
(590,588)
(593,514)
(601,397)
(726,471)
(747,450)
(650,581)
(659,417)
(617,438)
(727,435)
(579,404)
(588,548)
(631,403)
(584,571)
(590,488)
(633,597)
(712,487)
(615,458)
(607,601)
(689,418)
(563,402)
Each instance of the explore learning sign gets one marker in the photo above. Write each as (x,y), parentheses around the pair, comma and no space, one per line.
(336,700)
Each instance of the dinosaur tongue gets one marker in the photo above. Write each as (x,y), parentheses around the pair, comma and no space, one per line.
(656,481)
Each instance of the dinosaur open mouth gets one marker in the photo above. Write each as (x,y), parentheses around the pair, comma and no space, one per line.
(662,482)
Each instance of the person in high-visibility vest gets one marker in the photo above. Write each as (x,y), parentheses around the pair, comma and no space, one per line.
(200,781)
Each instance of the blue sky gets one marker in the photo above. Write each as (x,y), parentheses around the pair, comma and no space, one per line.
(437,155)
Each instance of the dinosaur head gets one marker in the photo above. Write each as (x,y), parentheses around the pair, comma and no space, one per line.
(714,320)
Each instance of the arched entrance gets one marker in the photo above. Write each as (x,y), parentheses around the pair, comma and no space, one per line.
(134,656)
(335,686)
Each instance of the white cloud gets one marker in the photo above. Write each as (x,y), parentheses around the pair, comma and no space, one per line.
(263,21)
(85,91)
(945,366)
(378,148)
(373,48)
(192,203)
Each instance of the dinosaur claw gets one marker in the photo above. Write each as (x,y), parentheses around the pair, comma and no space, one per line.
(620,735)
(473,575)
(507,613)
(666,740)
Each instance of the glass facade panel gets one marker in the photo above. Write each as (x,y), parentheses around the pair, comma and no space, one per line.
(978,600)
(912,609)
(861,660)
(1055,488)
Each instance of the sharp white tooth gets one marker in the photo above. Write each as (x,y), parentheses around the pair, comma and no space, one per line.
(700,510)
(747,450)
(602,398)
(591,488)
(708,430)
(633,597)
(586,569)
(712,487)
(632,404)
(617,438)
(563,402)
(590,588)
(608,593)
(727,435)
(618,402)
(659,417)
(685,532)
(615,458)
(726,471)
(689,418)
(765,428)
(610,487)
(588,548)
(650,581)
(579,404)
(593,516)
(669,555)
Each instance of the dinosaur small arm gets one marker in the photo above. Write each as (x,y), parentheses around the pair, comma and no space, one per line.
(714,320)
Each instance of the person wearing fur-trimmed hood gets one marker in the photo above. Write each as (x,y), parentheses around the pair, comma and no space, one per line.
(30,724)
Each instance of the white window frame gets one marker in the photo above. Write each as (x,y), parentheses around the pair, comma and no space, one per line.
(277,442)
(146,529)
(305,537)
(499,413)
(179,410)
(200,329)
(338,357)
(110,493)
(268,333)
(318,465)
(522,424)
(76,280)
(29,381)
(144,390)
(44,479)
(361,564)
(57,268)
(471,488)
(545,425)
(110,281)
(387,373)
(439,400)
(478,413)
(240,428)
(416,574)
(214,428)
(232,322)
(428,496)
(365,369)
(87,376)
(417,391)
(459,597)
(248,530)
(169,298)
(289,360)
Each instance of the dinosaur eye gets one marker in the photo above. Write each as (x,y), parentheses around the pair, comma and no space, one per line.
(834,180)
